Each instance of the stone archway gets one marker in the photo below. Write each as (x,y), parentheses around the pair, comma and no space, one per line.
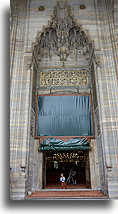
(63,51)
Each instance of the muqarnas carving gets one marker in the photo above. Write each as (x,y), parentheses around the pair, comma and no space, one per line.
(62,37)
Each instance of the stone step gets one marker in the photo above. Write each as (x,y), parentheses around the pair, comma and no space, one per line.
(67,194)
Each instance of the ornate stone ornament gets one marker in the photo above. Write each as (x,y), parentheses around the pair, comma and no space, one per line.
(41,8)
(63,36)
(64,78)
(82,7)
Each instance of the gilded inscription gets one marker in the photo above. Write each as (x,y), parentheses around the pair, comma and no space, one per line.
(64,78)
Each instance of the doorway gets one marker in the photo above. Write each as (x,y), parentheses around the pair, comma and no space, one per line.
(71,163)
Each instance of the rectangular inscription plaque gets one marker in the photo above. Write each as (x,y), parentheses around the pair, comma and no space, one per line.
(64,78)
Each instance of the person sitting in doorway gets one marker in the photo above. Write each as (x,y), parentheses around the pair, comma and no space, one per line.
(63,184)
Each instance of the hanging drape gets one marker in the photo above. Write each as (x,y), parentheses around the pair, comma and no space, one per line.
(64,116)
(52,144)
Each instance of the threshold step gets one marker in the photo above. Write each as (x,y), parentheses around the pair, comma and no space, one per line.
(67,194)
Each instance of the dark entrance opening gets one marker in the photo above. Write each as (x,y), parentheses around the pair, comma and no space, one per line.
(71,164)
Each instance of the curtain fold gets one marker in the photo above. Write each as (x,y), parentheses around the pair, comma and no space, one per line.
(53,144)
(64,116)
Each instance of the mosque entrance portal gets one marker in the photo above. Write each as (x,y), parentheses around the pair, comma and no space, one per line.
(74,166)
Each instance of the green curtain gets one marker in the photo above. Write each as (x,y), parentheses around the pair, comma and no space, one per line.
(64,116)
(53,144)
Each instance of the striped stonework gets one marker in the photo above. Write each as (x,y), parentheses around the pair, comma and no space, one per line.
(98,22)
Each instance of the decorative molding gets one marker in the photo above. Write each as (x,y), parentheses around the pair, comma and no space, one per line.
(97,122)
(32,123)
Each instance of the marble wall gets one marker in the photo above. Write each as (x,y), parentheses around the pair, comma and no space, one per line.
(27,23)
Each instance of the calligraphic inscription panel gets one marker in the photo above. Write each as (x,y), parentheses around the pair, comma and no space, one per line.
(64,78)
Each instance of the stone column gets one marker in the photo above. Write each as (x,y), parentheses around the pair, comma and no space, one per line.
(37,168)
(20,102)
(106,80)
(115,33)
(87,172)
(94,168)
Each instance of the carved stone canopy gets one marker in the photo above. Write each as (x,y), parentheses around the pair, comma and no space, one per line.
(62,37)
